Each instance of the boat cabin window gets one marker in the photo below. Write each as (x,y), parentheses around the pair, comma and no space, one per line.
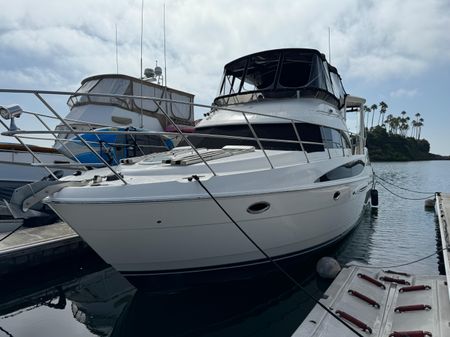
(113,86)
(129,86)
(282,137)
(276,74)
(338,88)
(345,171)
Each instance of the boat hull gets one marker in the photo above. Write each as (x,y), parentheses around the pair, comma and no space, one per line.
(194,235)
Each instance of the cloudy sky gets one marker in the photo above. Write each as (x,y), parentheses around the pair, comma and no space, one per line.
(397,51)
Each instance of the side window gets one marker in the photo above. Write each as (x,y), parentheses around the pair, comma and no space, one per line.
(334,139)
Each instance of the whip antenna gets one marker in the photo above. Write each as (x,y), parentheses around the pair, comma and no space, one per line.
(141,75)
(117,53)
(164,31)
(329,44)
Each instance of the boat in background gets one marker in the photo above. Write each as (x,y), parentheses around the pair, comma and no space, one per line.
(106,105)
(114,144)
(98,104)
(274,151)
(16,169)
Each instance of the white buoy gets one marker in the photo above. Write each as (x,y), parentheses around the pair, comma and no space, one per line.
(327,267)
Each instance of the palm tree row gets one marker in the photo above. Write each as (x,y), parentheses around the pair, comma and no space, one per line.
(395,125)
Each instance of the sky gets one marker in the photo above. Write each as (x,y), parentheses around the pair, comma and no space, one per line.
(396,51)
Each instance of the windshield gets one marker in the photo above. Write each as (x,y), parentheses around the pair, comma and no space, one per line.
(279,73)
(113,86)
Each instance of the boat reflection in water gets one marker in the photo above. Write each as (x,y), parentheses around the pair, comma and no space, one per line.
(99,300)
(107,305)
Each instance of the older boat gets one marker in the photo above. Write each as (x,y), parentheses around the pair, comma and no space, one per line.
(274,152)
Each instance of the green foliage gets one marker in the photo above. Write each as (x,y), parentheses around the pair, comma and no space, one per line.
(384,146)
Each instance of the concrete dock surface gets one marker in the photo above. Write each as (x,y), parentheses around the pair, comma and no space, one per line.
(29,247)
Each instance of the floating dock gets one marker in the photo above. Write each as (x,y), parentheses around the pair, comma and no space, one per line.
(30,247)
(381,303)
(387,303)
(442,208)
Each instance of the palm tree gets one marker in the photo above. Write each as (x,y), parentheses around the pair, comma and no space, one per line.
(367,111)
(383,107)
(388,122)
(417,116)
(420,127)
(373,107)
(414,128)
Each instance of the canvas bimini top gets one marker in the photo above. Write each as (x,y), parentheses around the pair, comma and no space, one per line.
(280,73)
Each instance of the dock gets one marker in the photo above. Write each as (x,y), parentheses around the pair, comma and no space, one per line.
(33,246)
(379,302)
(442,208)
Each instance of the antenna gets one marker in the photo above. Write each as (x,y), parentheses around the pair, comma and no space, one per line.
(117,53)
(329,44)
(141,76)
(164,29)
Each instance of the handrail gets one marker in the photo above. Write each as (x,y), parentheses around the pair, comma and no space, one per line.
(119,176)
(158,100)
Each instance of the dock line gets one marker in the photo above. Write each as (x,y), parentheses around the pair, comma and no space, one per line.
(281,269)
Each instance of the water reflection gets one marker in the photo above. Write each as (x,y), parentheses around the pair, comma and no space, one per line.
(99,299)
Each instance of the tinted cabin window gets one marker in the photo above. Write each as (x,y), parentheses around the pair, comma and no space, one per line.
(308,133)
(345,171)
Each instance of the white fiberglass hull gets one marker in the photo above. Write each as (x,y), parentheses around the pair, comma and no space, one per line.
(194,234)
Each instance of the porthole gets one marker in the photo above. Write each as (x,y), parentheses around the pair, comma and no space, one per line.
(258,207)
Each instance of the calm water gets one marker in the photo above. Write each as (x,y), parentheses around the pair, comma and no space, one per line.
(86,298)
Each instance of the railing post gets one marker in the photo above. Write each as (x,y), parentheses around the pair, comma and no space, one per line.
(257,139)
(30,151)
(79,137)
(299,140)
(56,138)
(185,138)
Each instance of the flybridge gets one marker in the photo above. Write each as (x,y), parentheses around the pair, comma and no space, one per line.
(281,73)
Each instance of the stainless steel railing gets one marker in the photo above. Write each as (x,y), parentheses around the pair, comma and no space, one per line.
(18,134)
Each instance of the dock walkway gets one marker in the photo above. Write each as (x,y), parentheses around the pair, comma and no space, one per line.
(385,303)
(33,246)
(442,208)
(380,303)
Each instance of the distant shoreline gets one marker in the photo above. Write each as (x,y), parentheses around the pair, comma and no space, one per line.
(390,147)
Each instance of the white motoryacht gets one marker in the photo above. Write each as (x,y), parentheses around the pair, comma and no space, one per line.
(274,151)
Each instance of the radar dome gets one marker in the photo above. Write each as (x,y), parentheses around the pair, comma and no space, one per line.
(158,71)
(149,72)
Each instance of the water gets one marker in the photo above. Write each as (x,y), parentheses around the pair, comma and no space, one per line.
(88,298)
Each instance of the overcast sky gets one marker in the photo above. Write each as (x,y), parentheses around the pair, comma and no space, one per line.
(395,51)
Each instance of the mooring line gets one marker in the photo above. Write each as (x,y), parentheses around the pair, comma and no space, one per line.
(402,197)
(11,233)
(402,264)
(402,188)
(281,269)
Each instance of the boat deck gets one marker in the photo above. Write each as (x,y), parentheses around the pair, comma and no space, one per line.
(381,303)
